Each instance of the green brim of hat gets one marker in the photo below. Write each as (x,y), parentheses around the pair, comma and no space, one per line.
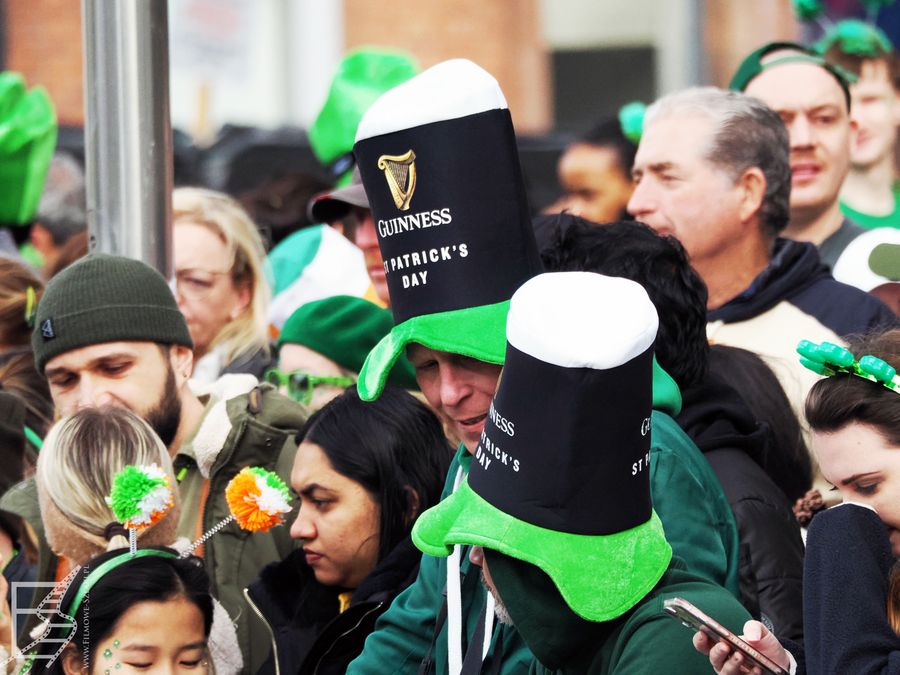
(599,576)
(477,332)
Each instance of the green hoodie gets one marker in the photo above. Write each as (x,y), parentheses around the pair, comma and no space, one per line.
(686,494)
(643,640)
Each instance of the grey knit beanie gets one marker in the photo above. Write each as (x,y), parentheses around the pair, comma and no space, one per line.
(105,298)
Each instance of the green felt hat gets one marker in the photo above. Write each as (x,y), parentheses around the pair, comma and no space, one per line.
(564,483)
(345,328)
(756,63)
(27,140)
(856,37)
(439,163)
(362,76)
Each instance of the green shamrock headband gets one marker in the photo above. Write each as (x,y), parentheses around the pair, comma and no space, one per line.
(830,359)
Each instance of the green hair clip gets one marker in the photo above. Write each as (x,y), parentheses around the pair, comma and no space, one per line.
(631,119)
(30,306)
(856,37)
(830,359)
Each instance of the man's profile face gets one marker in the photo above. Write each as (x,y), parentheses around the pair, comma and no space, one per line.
(476,557)
(366,239)
(876,112)
(812,106)
(458,387)
(679,192)
(134,375)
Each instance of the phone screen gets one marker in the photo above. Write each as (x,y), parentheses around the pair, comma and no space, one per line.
(683,611)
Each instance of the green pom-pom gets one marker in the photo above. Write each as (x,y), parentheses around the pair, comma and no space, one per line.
(133,489)
(856,37)
(631,119)
(273,480)
(808,10)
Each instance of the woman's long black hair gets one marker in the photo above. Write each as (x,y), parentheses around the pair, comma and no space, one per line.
(148,578)
(394,447)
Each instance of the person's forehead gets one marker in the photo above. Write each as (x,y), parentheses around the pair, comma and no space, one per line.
(874,76)
(661,143)
(796,87)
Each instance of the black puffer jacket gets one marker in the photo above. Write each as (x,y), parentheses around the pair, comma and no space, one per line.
(771,550)
(309,634)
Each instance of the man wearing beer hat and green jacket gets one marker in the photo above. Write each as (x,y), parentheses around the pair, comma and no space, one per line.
(438,160)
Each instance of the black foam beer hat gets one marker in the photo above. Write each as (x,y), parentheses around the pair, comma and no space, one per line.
(439,163)
(561,476)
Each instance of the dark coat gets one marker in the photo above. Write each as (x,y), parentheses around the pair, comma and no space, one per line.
(309,634)
(771,550)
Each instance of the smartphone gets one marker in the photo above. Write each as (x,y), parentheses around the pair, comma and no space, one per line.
(690,616)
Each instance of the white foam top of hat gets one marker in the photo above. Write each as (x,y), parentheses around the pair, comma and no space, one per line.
(581,320)
(446,91)
(853,265)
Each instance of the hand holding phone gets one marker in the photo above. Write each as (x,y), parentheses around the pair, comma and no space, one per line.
(686,613)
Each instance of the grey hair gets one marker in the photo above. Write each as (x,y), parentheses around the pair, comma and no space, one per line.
(62,209)
(746,133)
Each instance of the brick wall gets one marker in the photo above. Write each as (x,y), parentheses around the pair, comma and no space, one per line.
(502,36)
(43,42)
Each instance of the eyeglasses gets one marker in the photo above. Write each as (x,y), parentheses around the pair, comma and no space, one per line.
(300,385)
(194,284)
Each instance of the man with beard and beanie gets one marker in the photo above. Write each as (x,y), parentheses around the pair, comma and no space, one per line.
(557,505)
(457,241)
(108,332)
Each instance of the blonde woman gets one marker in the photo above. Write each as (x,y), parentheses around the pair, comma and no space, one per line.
(79,459)
(220,284)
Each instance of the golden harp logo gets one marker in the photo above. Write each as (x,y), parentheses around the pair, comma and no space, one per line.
(400,174)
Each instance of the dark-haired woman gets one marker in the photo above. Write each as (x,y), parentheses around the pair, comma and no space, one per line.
(849,593)
(363,472)
(148,613)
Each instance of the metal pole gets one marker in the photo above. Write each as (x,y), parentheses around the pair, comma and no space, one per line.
(128,135)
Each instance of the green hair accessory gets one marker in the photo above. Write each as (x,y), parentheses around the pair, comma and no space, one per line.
(30,306)
(829,359)
(856,37)
(631,119)
(139,498)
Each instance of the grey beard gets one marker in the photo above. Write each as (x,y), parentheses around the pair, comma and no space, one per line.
(500,610)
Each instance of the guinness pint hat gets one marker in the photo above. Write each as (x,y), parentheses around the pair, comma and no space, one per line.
(561,478)
(439,163)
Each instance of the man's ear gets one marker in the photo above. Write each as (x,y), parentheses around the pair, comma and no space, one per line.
(72,663)
(182,360)
(752,184)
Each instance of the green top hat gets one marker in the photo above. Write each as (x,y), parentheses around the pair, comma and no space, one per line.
(345,328)
(439,164)
(757,62)
(561,476)
(362,77)
(27,140)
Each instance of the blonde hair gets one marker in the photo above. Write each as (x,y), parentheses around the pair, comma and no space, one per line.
(76,466)
(15,279)
(225,218)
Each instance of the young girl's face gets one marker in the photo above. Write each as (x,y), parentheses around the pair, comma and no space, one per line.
(155,637)
(865,468)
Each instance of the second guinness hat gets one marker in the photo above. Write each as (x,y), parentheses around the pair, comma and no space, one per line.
(438,159)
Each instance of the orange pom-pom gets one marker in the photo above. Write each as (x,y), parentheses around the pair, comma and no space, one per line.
(257,499)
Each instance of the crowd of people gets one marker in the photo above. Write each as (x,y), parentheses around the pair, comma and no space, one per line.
(511,442)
